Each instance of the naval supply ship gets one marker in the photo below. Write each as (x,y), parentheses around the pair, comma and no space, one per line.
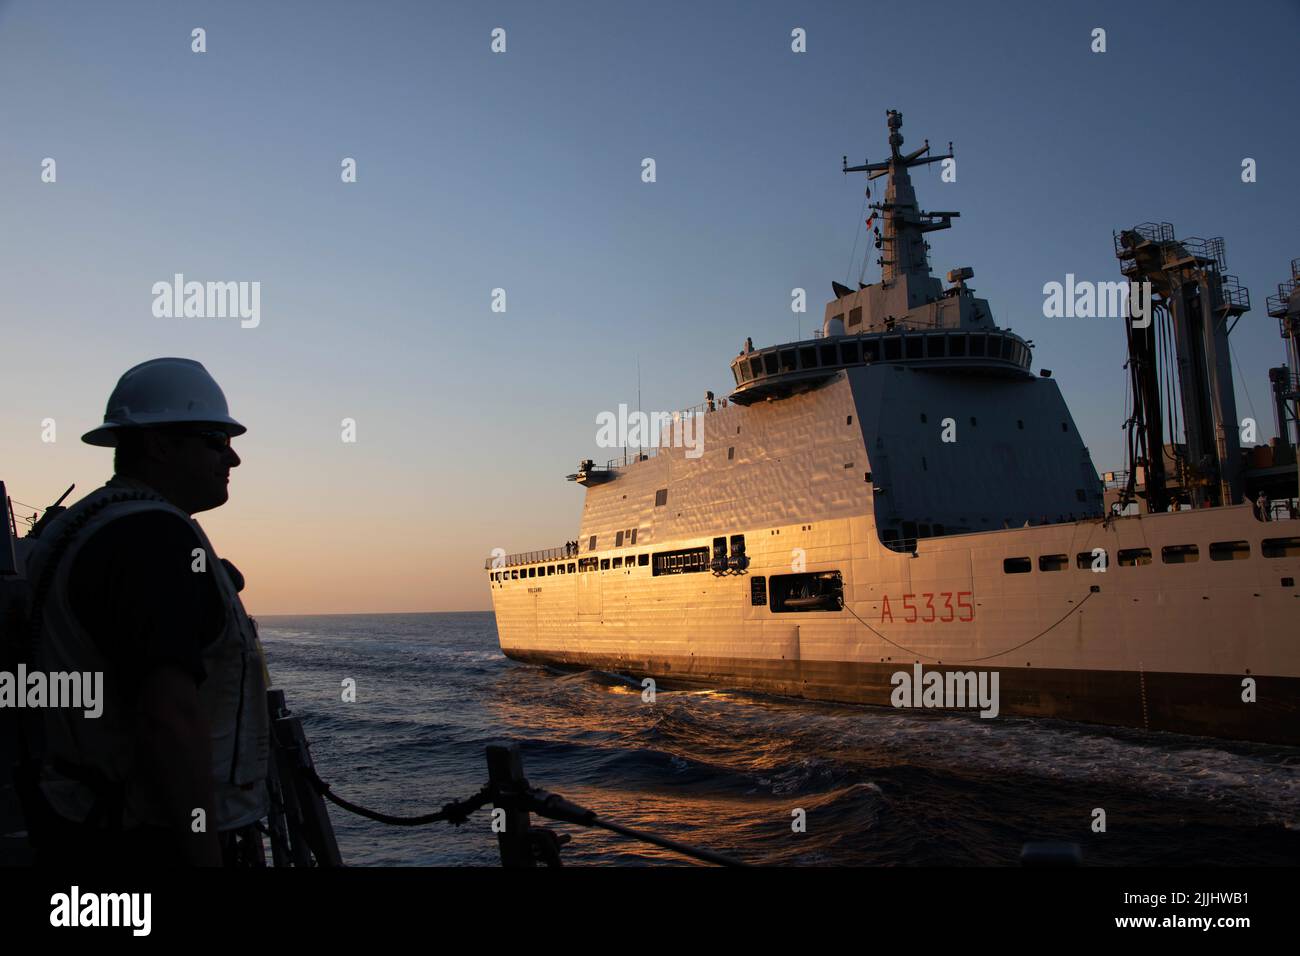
(901,497)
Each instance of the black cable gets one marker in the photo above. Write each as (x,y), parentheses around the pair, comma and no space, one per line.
(555,807)
(456,812)
(708,856)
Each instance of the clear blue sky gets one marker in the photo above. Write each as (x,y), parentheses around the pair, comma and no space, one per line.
(522,171)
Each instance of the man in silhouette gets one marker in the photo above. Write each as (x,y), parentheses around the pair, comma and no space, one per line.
(174,770)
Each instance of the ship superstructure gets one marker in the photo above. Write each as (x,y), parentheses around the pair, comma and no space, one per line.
(902,494)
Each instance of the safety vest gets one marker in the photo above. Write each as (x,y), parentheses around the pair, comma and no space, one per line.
(89,763)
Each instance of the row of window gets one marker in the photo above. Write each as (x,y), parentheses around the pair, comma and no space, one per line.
(856,350)
(696,560)
(570,567)
(684,561)
(1170,554)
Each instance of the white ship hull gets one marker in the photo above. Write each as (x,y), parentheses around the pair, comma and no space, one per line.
(1157,647)
(1161,646)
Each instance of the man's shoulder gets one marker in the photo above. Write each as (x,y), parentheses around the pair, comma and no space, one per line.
(139,538)
(148,526)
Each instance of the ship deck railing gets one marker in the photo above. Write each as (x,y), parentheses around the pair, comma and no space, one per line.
(667,419)
(496,562)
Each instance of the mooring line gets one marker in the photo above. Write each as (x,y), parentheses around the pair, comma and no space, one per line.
(973,660)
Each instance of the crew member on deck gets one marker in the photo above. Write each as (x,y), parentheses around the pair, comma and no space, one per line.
(173,772)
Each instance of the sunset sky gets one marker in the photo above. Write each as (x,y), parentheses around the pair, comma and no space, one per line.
(522,170)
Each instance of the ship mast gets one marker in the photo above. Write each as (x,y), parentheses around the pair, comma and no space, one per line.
(905,224)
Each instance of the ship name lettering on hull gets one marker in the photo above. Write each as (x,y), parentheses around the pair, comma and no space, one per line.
(928,607)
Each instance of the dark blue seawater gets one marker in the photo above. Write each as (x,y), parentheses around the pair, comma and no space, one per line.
(724,769)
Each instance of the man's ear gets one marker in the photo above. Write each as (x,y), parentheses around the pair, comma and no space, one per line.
(157,445)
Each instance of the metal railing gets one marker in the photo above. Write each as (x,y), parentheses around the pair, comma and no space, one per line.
(530,557)
(1235,295)
(1173,249)
(1280,303)
(632,457)
(667,422)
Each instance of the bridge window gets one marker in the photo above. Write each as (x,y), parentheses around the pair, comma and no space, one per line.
(642,560)
(977,345)
(1016,566)
(850,353)
(604,564)
(828,355)
(914,345)
(570,567)
(935,347)
(893,349)
(618,562)
(1007,345)
(1131,557)
(769,363)
(808,357)
(1230,551)
(1083,560)
(787,360)
(1053,562)
(1180,554)
(1281,547)
(756,366)
(957,346)
(685,561)
(871,350)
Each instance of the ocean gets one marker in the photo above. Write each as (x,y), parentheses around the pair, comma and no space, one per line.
(728,770)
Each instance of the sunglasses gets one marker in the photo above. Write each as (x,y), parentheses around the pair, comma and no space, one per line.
(215,439)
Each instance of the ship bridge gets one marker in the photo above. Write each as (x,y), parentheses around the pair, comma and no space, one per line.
(907,318)
(784,370)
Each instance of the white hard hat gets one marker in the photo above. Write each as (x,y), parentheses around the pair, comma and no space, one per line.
(163,391)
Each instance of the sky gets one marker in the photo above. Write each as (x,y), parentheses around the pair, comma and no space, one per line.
(522,170)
